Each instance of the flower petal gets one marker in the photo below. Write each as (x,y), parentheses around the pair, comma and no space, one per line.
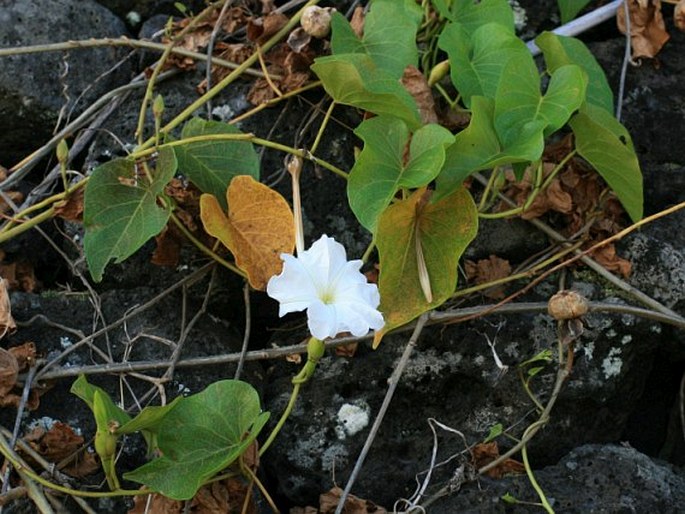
(322,320)
(293,288)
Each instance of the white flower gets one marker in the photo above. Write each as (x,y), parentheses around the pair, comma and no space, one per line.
(332,290)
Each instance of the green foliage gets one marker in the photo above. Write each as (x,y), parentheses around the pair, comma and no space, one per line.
(211,165)
(354,79)
(421,240)
(606,145)
(474,14)
(477,59)
(495,431)
(570,8)
(121,211)
(200,437)
(382,167)
(364,72)
(562,50)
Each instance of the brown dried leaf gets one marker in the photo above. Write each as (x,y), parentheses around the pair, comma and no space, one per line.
(167,250)
(14,196)
(9,370)
(647,28)
(353,505)
(259,30)
(679,15)
(488,270)
(60,443)
(346,350)
(357,21)
(25,355)
(485,453)
(7,324)
(19,276)
(298,40)
(155,504)
(606,256)
(71,209)
(417,86)
(295,358)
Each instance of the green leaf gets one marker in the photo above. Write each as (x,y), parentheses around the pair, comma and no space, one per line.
(478,147)
(381,169)
(413,230)
(149,418)
(211,165)
(478,59)
(121,211)
(354,79)
(495,431)
(201,436)
(569,8)
(107,409)
(562,50)
(473,14)
(509,498)
(389,35)
(521,108)
(606,145)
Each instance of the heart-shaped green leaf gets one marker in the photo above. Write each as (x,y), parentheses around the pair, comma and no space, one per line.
(121,211)
(477,59)
(389,35)
(354,79)
(415,230)
(606,145)
(201,436)
(211,165)
(478,147)
(473,14)
(384,166)
(569,8)
(561,50)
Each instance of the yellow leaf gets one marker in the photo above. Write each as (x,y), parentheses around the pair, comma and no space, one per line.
(258,228)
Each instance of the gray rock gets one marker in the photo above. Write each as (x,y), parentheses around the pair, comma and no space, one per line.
(590,479)
(31,90)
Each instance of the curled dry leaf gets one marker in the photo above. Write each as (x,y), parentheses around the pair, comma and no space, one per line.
(488,270)
(679,15)
(329,501)
(647,28)
(12,362)
(259,30)
(9,370)
(357,21)
(71,209)
(485,453)
(19,276)
(7,324)
(417,86)
(552,198)
(60,443)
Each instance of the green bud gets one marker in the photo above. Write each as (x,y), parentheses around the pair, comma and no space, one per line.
(62,151)
(158,106)
(438,72)
(315,349)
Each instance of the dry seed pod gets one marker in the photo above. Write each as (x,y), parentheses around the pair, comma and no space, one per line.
(567,305)
(316,21)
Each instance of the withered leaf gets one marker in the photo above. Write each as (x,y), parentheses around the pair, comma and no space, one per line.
(167,250)
(417,86)
(357,21)
(7,324)
(60,443)
(485,453)
(488,270)
(25,354)
(353,505)
(679,15)
(647,28)
(71,209)
(14,196)
(259,30)
(606,256)
(258,228)
(9,370)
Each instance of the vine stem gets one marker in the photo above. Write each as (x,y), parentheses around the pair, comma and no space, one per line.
(284,417)
(392,386)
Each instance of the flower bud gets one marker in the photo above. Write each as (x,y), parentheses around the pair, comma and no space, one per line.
(567,305)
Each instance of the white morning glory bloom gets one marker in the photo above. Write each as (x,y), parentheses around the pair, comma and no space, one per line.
(334,292)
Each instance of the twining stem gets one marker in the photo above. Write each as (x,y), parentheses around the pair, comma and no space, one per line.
(215,90)
(531,478)
(315,350)
(324,123)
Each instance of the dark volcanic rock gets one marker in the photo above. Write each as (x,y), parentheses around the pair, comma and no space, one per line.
(32,90)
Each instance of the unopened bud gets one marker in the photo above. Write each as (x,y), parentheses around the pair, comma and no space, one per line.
(158,106)
(438,72)
(62,151)
(567,305)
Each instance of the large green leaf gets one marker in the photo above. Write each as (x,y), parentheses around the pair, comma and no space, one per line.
(562,50)
(520,105)
(383,165)
(416,230)
(473,14)
(354,79)
(478,147)
(211,165)
(477,59)
(606,145)
(201,436)
(121,211)
(569,8)
(389,35)
(109,411)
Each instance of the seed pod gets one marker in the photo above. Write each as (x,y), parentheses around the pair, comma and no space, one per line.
(316,21)
(567,305)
